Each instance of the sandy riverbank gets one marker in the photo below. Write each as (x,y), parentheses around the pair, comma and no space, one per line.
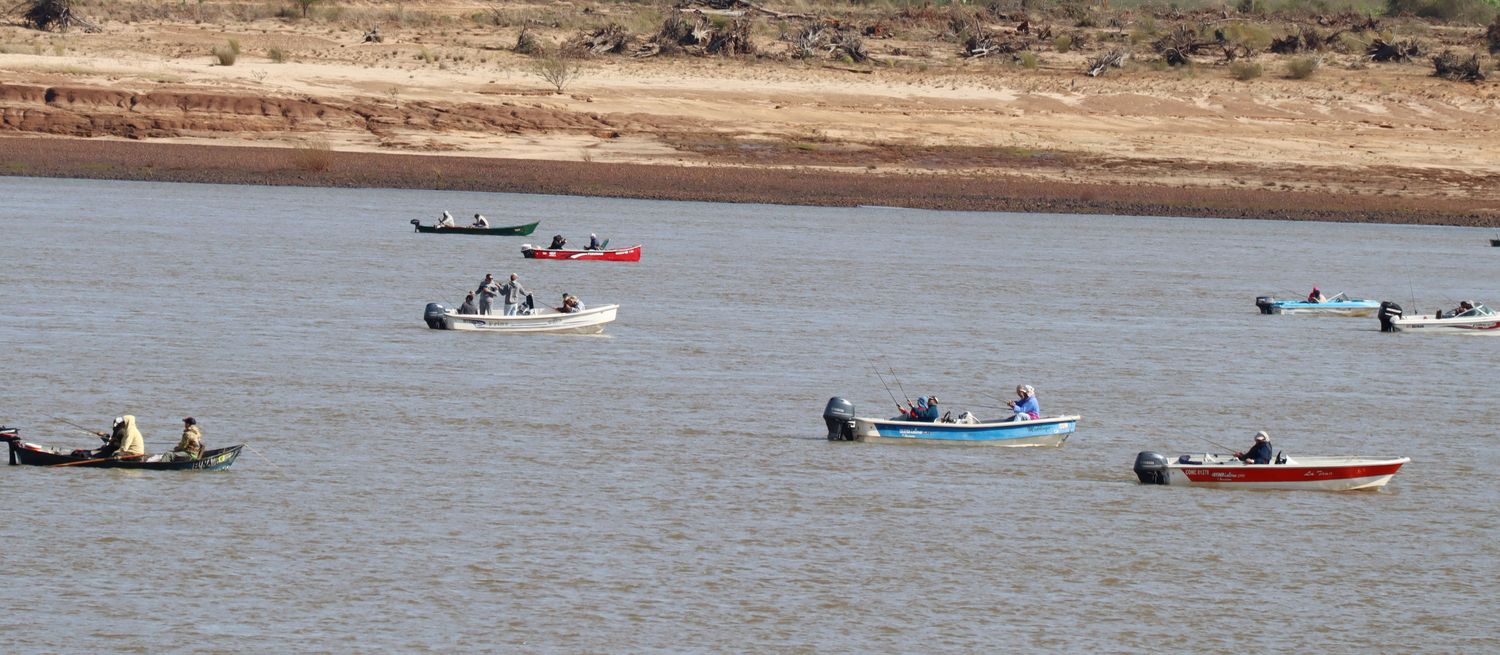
(444,102)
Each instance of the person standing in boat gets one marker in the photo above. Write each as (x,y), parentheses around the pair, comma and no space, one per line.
(593,242)
(468,306)
(1316,296)
(480,221)
(487,291)
(446,221)
(514,294)
(1260,453)
(190,447)
(124,441)
(1025,406)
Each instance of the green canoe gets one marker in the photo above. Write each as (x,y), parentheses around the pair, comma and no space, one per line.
(512,231)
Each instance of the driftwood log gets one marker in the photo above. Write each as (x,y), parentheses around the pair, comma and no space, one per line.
(49,15)
(1099,64)
(1453,66)
(1382,50)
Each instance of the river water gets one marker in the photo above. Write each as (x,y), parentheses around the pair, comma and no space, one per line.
(666,486)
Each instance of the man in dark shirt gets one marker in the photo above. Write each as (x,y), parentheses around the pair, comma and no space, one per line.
(1260,453)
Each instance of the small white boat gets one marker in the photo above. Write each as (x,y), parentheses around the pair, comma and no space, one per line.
(1228,472)
(1479,320)
(588,321)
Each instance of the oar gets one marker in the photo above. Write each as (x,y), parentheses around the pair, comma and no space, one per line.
(91,461)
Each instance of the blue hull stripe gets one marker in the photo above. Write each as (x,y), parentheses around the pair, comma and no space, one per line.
(961,432)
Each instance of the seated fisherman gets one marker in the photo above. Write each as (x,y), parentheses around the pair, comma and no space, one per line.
(1260,453)
(480,221)
(557,242)
(446,220)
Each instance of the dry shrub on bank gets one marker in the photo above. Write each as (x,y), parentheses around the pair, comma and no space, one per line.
(1245,71)
(228,53)
(47,15)
(1382,50)
(1302,68)
(312,155)
(557,70)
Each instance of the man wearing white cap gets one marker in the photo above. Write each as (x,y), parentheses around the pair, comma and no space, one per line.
(593,241)
(1260,453)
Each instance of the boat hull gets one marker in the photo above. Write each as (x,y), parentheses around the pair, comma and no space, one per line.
(1304,473)
(510,231)
(1045,432)
(1358,308)
(30,454)
(589,321)
(631,254)
(1429,323)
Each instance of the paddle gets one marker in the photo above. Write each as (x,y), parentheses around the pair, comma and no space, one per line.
(91,461)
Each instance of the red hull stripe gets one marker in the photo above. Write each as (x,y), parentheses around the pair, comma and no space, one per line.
(1284,473)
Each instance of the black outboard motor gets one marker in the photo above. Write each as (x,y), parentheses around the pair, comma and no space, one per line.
(839,415)
(1151,467)
(434,316)
(1264,303)
(416,223)
(1388,311)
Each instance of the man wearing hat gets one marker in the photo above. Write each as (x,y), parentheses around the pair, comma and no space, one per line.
(593,241)
(1260,453)
(191,445)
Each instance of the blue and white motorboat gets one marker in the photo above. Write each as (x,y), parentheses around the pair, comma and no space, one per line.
(1338,305)
(843,425)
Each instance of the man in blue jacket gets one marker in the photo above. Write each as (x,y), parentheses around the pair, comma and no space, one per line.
(930,413)
(1260,453)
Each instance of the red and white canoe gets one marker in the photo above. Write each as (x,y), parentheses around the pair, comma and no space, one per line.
(631,254)
(1228,472)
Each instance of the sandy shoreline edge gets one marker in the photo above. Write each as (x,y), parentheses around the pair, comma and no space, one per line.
(170,162)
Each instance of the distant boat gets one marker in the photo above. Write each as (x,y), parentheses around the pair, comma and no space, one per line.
(843,425)
(588,321)
(512,231)
(1338,305)
(1228,472)
(631,254)
(1480,319)
(1495,242)
(30,454)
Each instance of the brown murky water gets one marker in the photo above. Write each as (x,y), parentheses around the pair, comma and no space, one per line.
(666,486)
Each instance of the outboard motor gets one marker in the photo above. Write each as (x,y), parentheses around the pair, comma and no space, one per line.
(839,415)
(416,223)
(1264,303)
(1151,467)
(434,316)
(1389,311)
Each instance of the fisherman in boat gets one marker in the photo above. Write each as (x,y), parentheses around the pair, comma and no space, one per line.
(1464,306)
(557,242)
(1260,453)
(480,221)
(570,304)
(123,441)
(487,291)
(1025,407)
(190,447)
(468,306)
(514,294)
(932,413)
(1316,296)
(909,412)
(445,221)
(594,242)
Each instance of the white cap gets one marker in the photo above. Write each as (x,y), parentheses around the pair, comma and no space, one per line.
(119,420)
(1262,436)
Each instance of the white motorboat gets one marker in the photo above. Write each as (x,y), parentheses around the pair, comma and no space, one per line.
(1479,320)
(1228,472)
(1339,305)
(588,321)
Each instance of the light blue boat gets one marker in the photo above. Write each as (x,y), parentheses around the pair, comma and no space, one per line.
(1338,305)
(844,426)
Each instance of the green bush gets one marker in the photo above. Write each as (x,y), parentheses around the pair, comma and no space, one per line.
(277,55)
(1244,71)
(1028,60)
(1301,68)
(1467,11)
(1062,43)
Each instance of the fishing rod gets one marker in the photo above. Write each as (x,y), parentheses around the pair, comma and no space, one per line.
(63,420)
(1216,443)
(898,383)
(882,379)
